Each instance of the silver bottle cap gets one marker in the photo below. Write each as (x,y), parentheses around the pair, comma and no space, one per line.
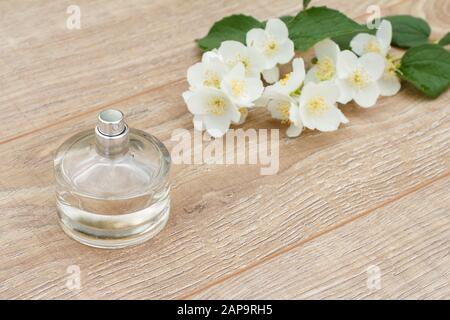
(111,122)
(111,133)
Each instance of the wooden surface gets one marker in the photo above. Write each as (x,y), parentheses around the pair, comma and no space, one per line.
(374,193)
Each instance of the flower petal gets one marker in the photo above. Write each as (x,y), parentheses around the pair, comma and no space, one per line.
(216,126)
(255,63)
(256,38)
(280,108)
(230,50)
(330,91)
(384,36)
(294,131)
(211,56)
(374,64)
(277,30)
(346,63)
(297,76)
(346,91)
(285,52)
(233,113)
(326,122)
(326,49)
(360,42)
(197,102)
(389,85)
(243,117)
(311,76)
(271,75)
(331,120)
(367,96)
(253,88)
(187,95)
(195,75)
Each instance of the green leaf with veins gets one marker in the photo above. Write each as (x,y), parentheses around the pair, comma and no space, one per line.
(427,67)
(318,23)
(409,31)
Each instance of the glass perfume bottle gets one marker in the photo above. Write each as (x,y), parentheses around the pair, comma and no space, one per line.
(112,184)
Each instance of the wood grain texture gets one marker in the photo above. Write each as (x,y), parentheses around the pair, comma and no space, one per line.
(130,57)
(408,240)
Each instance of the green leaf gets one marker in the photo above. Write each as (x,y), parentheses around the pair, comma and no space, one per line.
(286,19)
(233,27)
(445,41)
(344,41)
(317,23)
(427,67)
(306,4)
(409,31)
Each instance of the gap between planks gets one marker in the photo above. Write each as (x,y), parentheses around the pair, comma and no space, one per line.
(300,243)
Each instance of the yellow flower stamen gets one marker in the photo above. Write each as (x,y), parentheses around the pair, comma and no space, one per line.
(237,87)
(325,69)
(271,47)
(283,109)
(285,79)
(359,79)
(392,65)
(217,106)
(317,106)
(243,111)
(245,61)
(372,46)
(212,79)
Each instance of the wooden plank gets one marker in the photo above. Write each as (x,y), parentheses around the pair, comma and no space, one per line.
(406,243)
(215,229)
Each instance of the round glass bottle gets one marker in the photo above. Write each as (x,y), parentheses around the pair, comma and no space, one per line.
(112,184)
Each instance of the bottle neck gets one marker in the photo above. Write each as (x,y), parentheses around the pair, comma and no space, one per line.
(112,146)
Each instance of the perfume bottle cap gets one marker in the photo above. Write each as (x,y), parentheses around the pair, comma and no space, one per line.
(111,122)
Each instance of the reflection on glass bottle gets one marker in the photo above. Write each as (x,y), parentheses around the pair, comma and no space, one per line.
(112,184)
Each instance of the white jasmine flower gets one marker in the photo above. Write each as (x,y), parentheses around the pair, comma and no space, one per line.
(380,43)
(389,83)
(213,108)
(358,77)
(208,73)
(242,90)
(327,52)
(291,82)
(281,98)
(273,43)
(285,108)
(318,109)
(234,52)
